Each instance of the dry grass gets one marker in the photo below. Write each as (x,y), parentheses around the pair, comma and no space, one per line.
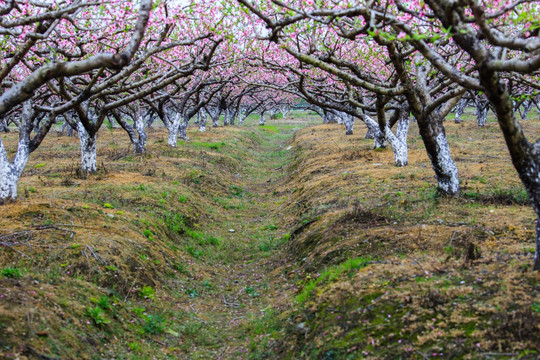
(73,239)
(366,240)
(445,276)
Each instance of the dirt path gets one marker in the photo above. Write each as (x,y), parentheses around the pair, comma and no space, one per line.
(231,305)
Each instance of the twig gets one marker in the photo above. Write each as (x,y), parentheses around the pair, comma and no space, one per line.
(96,256)
(129,291)
(233,304)
(499,354)
(222,351)
(12,248)
(159,342)
(164,257)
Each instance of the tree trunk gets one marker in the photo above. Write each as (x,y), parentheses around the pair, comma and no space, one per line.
(202,120)
(172,136)
(137,132)
(481,111)
(140,146)
(330,117)
(232,117)
(285,111)
(11,172)
(4,126)
(536,266)
(436,144)
(339,117)
(214,114)
(375,131)
(67,129)
(226,117)
(370,133)
(172,127)
(88,150)
(182,129)
(348,120)
(482,117)
(242,117)
(460,109)
(525,156)
(398,142)
(527,106)
(536,101)
(150,121)
(262,119)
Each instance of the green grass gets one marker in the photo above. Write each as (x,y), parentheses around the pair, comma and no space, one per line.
(12,272)
(203,145)
(147,292)
(329,275)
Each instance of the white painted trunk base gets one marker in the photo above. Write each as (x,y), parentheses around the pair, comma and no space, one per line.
(348,120)
(202,122)
(398,142)
(140,126)
(378,136)
(11,172)
(88,150)
(173,127)
(448,181)
(182,130)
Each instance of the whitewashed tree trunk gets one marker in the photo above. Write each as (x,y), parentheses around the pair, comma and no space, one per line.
(481,111)
(3,125)
(527,106)
(398,142)
(11,172)
(172,136)
(482,117)
(137,132)
(214,114)
(378,135)
(242,116)
(88,150)
(67,129)
(262,119)
(285,109)
(536,102)
(202,120)
(182,129)
(140,125)
(232,117)
(349,124)
(173,127)
(449,184)
(348,121)
(226,117)
(338,117)
(327,117)
(150,121)
(369,133)
(460,109)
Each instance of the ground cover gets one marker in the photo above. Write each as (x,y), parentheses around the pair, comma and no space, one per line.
(391,269)
(277,241)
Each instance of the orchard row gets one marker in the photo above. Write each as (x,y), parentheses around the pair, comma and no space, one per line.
(82,63)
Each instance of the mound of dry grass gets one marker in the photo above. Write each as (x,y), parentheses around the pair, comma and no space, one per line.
(441,277)
(89,261)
